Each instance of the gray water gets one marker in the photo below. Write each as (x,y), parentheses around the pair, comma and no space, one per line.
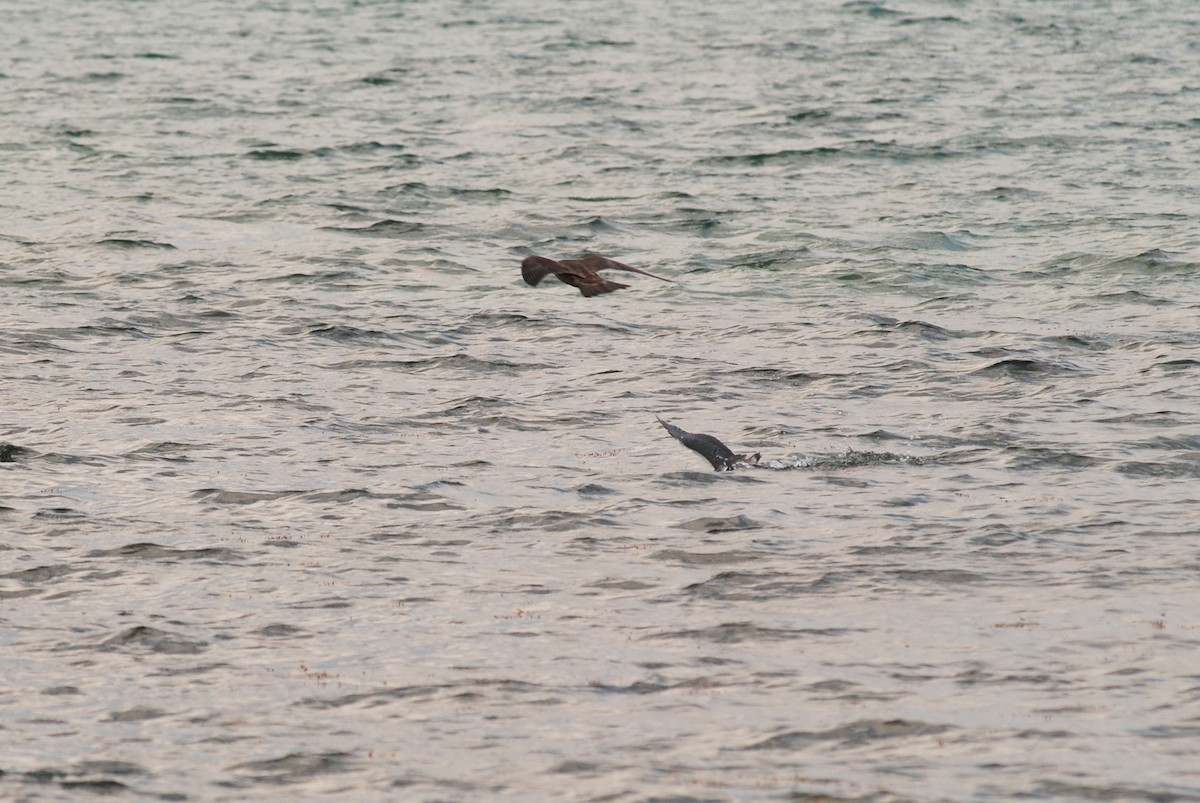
(308,495)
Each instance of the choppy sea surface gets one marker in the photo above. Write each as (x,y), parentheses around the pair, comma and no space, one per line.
(305,494)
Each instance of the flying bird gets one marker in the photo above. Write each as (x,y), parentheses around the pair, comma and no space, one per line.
(711,449)
(579,273)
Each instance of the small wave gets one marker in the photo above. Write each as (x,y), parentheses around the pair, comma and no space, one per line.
(717,524)
(1024,368)
(737,632)
(153,639)
(293,768)
(127,243)
(345,334)
(852,735)
(276,154)
(1025,458)
(1174,366)
(388,228)
(224,497)
(759,586)
(153,551)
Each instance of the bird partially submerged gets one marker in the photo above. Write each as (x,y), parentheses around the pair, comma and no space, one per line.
(711,449)
(581,273)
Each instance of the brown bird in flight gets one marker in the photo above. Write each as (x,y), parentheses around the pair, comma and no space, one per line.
(579,273)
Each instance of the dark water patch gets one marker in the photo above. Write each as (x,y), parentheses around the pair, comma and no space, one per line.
(938,576)
(621,585)
(154,640)
(324,604)
(26,592)
(593,489)
(999,535)
(927,331)
(169,451)
(761,585)
(59,514)
(59,691)
(281,630)
(1182,442)
(224,497)
(293,768)
(922,329)
(720,524)
(787,156)
(852,152)
(855,734)
(471,691)
(552,521)
(276,154)
(102,786)
(1082,342)
(136,714)
(423,501)
(373,146)
(644,687)
(1154,418)
(1025,369)
(388,77)
(738,632)
(1153,262)
(340,279)
(480,411)
(9,452)
(574,767)
(339,496)
(418,189)
(808,115)
(373,699)
(386,229)
(342,333)
(1025,458)
(188,670)
(1124,297)
(946,19)
(151,551)
(104,328)
(40,574)
(1163,469)
(686,558)
(780,258)
(942,241)
(1179,365)
(1153,793)
(131,244)
(470,364)
(781,376)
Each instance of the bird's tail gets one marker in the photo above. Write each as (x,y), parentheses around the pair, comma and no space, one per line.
(604,286)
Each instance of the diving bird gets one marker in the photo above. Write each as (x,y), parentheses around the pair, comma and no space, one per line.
(711,449)
(579,273)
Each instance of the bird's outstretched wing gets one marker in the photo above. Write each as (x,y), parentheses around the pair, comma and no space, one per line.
(718,454)
(534,269)
(594,263)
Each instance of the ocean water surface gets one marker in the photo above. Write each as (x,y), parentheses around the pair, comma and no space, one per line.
(306,494)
